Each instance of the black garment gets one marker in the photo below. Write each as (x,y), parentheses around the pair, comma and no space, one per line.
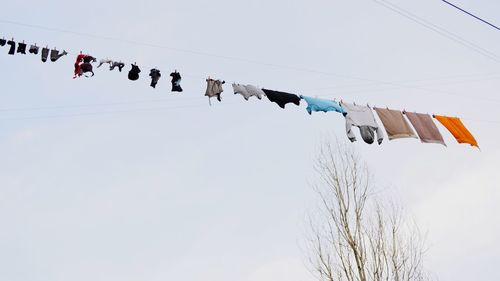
(155,76)
(12,45)
(120,65)
(133,74)
(45,54)
(2,42)
(54,55)
(281,98)
(21,48)
(176,81)
(33,49)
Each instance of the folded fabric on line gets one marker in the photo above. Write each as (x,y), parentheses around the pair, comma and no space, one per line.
(457,129)
(281,98)
(395,124)
(425,127)
(363,118)
(315,104)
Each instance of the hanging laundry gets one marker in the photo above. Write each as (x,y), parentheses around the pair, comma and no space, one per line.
(315,104)
(45,54)
(457,129)
(395,124)
(103,61)
(120,65)
(155,76)
(281,98)
(176,81)
(214,89)
(78,62)
(425,127)
(54,55)
(2,42)
(133,74)
(247,91)
(363,118)
(12,45)
(21,48)
(83,64)
(33,49)
(254,91)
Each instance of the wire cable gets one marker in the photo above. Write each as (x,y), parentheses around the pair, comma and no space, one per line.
(439,30)
(472,15)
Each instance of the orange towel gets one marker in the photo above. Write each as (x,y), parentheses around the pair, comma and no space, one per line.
(457,129)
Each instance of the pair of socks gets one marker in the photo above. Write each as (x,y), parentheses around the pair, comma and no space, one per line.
(54,54)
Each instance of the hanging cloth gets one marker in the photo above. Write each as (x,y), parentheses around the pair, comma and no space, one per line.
(34,49)
(120,65)
(12,49)
(133,74)
(247,91)
(425,127)
(54,55)
(281,98)
(457,129)
(21,48)
(155,76)
(363,118)
(315,104)
(395,124)
(214,89)
(176,81)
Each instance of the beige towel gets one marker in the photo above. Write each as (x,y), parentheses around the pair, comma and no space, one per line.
(395,124)
(425,127)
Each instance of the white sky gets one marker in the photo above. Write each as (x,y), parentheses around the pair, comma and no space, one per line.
(108,179)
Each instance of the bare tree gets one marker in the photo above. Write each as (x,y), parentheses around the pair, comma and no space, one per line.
(355,237)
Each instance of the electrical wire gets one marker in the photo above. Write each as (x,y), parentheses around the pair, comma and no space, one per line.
(472,15)
(439,30)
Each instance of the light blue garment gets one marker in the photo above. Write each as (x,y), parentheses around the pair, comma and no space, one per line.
(315,104)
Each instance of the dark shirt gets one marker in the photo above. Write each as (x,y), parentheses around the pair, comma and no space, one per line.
(133,74)
(281,98)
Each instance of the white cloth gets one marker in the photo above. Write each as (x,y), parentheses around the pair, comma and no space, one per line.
(247,91)
(363,118)
(254,91)
(103,61)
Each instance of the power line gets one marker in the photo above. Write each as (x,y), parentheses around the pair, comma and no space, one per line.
(441,31)
(472,15)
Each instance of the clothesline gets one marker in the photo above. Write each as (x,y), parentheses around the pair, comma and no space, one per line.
(362,117)
(59,30)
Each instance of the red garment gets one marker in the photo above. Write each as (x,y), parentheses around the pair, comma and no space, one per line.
(79,60)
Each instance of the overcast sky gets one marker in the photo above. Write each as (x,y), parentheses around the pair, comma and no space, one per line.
(107,179)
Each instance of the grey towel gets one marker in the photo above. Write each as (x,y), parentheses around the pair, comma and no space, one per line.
(425,127)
